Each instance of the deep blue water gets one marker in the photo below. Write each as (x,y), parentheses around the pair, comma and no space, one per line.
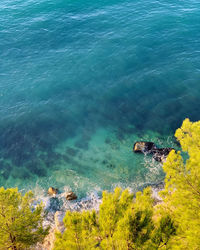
(80,81)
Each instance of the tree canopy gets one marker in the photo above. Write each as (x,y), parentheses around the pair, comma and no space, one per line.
(182,187)
(20,222)
(123,222)
(130,222)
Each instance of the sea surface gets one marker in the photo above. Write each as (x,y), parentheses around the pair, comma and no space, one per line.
(81,81)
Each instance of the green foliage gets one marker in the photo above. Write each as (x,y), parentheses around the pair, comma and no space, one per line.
(182,189)
(123,222)
(163,233)
(80,233)
(20,223)
(112,210)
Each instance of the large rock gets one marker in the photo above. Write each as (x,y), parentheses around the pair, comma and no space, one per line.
(160,154)
(144,147)
(52,191)
(70,196)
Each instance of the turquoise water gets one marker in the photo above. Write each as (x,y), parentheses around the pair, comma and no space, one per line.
(81,81)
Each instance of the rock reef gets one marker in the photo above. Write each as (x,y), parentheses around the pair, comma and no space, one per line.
(159,154)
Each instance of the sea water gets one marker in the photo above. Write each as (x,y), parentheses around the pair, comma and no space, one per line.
(81,81)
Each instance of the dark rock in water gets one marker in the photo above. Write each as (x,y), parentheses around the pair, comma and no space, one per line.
(144,147)
(111,166)
(160,154)
(54,204)
(52,191)
(70,196)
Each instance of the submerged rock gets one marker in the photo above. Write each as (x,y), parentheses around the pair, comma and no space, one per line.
(144,147)
(70,196)
(160,154)
(52,191)
(55,204)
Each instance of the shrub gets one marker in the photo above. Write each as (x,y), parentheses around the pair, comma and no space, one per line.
(123,222)
(182,187)
(20,222)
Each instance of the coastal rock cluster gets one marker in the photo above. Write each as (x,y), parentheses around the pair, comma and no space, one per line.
(56,215)
(68,195)
(52,191)
(159,154)
(56,202)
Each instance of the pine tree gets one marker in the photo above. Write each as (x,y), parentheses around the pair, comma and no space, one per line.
(123,222)
(135,227)
(182,188)
(20,223)
(80,233)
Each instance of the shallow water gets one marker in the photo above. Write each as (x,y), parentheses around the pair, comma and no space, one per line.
(81,81)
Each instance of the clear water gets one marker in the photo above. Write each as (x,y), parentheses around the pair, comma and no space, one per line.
(81,81)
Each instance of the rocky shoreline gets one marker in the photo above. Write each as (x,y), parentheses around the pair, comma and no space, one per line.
(56,208)
(56,212)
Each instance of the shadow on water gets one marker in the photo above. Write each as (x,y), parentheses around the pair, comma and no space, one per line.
(29,143)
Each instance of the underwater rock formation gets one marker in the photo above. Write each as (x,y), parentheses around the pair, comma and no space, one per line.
(143,147)
(159,154)
(54,204)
